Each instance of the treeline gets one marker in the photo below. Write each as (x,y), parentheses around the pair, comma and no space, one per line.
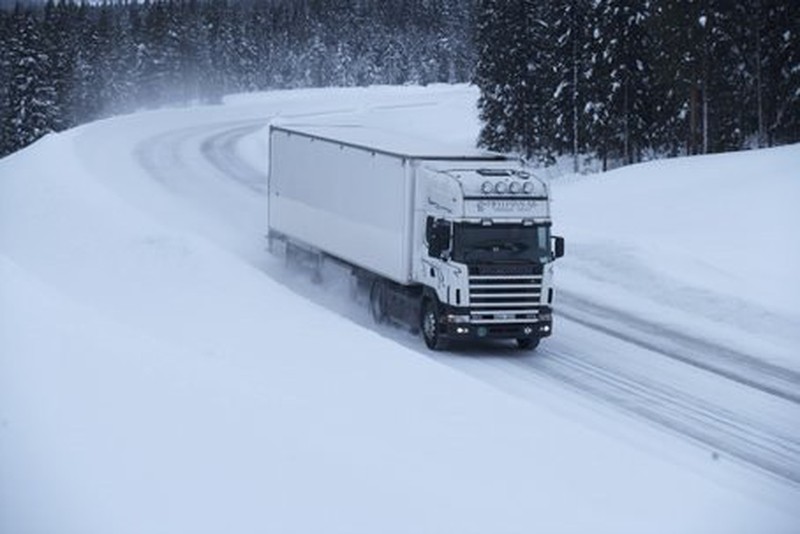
(615,80)
(62,63)
(626,80)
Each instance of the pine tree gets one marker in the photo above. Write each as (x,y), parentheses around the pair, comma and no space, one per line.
(516,78)
(7,142)
(571,30)
(683,77)
(33,109)
(621,80)
(492,76)
(726,119)
(59,43)
(780,49)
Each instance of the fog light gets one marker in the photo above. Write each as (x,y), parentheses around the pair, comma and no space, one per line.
(545,328)
(527,330)
(462,330)
(482,331)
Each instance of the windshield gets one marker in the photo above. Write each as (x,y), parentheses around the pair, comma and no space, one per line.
(498,243)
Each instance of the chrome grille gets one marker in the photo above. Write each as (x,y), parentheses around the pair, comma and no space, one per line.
(504,298)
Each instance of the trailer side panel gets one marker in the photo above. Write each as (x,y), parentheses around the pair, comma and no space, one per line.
(348,202)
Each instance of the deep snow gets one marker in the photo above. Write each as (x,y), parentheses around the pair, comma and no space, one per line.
(160,372)
(701,243)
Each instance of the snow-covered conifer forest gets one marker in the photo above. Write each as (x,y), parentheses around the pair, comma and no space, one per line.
(617,80)
(64,63)
(627,80)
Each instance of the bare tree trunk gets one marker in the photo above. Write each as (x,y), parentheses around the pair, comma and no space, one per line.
(626,133)
(691,144)
(761,134)
(705,118)
(575,164)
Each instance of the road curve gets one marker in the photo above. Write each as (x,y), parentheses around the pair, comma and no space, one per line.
(738,406)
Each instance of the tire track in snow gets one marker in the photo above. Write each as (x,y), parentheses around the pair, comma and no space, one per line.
(162,156)
(220,150)
(729,363)
(704,416)
(733,421)
(590,371)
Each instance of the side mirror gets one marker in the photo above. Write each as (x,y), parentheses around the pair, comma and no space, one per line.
(558,246)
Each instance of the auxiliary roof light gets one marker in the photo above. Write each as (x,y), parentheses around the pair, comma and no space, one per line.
(501,187)
(528,188)
(515,187)
(487,187)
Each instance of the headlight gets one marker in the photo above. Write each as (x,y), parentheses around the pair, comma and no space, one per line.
(501,187)
(487,187)
(458,318)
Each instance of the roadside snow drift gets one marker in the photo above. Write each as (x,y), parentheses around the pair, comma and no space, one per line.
(703,244)
(157,374)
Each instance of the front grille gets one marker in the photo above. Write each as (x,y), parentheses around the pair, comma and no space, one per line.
(505,269)
(504,298)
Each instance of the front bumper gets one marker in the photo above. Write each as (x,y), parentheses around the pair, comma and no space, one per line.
(537,330)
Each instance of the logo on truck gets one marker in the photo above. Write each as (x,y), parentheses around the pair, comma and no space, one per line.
(505,206)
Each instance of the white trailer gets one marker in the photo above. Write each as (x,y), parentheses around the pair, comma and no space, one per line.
(457,243)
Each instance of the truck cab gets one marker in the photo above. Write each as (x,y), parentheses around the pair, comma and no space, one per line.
(484,253)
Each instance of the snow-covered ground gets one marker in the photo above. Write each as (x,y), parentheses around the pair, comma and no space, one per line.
(705,238)
(159,372)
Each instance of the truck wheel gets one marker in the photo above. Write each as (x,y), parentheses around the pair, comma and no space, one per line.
(429,324)
(527,343)
(377,302)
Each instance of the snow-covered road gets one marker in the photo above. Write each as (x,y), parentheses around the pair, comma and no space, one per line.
(716,406)
(738,407)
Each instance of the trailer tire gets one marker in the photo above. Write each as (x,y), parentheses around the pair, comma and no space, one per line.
(527,343)
(377,302)
(429,324)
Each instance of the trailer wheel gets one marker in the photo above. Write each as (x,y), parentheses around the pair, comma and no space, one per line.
(429,324)
(377,302)
(527,343)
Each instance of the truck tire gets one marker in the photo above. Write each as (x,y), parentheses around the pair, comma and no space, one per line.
(377,302)
(429,324)
(527,343)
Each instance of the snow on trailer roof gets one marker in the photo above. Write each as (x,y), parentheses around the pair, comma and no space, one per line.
(389,142)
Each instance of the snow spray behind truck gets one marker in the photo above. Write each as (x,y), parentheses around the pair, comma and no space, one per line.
(455,243)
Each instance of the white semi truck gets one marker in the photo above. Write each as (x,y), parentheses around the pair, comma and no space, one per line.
(454,243)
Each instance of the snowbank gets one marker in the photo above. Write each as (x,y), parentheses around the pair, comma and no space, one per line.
(702,244)
(154,377)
